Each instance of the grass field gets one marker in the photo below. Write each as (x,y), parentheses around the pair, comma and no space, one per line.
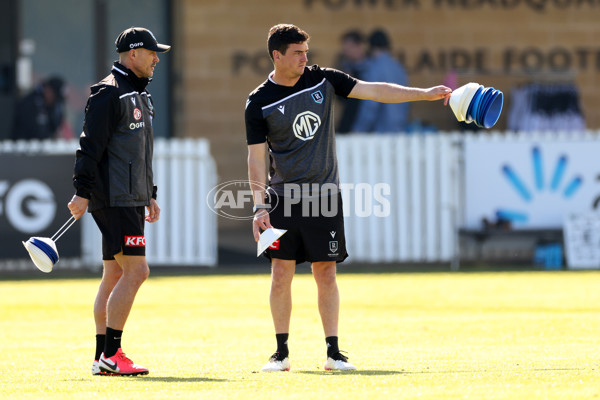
(511,335)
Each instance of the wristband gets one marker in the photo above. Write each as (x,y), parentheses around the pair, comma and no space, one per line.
(260,207)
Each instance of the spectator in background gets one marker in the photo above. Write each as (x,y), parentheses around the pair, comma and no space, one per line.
(40,114)
(382,67)
(352,61)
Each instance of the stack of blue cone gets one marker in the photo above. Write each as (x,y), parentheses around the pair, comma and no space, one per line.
(475,103)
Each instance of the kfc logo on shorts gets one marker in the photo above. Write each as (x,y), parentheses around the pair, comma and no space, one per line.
(137,114)
(275,245)
(135,241)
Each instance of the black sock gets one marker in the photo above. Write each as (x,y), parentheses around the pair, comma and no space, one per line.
(282,347)
(332,345)
(113,342)
(100,339)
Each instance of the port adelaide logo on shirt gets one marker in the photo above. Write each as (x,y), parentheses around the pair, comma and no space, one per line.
(317,96)
(306,125)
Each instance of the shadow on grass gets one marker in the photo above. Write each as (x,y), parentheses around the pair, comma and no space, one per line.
(168,379)
(356,372)
(179,379)
(422,372)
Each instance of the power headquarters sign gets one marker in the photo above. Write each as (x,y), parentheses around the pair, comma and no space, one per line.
(34,192)
(528,55)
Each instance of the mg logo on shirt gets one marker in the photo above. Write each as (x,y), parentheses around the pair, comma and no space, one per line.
(306,125)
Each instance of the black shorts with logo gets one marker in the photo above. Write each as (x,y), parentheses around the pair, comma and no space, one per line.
(122,230)
(311,236)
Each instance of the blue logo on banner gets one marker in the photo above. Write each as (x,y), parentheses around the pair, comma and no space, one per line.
(568,190)
(317,96)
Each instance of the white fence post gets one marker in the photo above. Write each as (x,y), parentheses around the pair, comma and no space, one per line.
(420,172)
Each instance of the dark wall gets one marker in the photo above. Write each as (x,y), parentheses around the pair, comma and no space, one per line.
(8,56)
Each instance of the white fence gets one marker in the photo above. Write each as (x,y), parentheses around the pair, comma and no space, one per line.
(423,175)
(186,233)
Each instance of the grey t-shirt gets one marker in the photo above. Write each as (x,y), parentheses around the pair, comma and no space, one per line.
(298,124)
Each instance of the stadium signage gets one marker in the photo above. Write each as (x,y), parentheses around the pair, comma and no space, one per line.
(535,5)
(28,204)
(512,60)
(533,183)
(33,202)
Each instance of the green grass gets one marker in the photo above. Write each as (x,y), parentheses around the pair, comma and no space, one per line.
(513,335)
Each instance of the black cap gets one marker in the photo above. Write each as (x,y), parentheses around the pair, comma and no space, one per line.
(379,39)
(57,85)
(135,38)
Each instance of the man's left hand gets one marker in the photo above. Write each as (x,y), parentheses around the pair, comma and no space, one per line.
(439,92)
(153,211)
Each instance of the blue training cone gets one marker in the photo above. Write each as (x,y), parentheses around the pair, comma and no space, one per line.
(474,103)
(493,111)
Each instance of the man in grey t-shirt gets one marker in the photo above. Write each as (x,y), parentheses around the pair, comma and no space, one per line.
(290,116)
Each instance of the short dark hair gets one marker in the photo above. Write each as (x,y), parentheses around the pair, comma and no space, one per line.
(354,35)
(57,85)
(379,40)
(282,35)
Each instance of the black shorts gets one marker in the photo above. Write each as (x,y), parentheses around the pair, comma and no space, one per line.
(311,237)
(122,230)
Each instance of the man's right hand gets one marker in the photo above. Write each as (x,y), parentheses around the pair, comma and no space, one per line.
(261,222)
(77,206)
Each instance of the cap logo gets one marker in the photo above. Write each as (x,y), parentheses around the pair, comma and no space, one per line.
(134,45)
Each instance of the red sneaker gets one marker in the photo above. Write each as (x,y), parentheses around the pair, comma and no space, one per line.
(119,364)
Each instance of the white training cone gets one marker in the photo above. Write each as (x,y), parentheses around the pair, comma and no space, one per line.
(42,250)
(456,100)
(470,89)
(267,238)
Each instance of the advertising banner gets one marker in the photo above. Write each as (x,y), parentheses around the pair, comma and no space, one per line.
(582,240)
(34,192)
(534,183)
